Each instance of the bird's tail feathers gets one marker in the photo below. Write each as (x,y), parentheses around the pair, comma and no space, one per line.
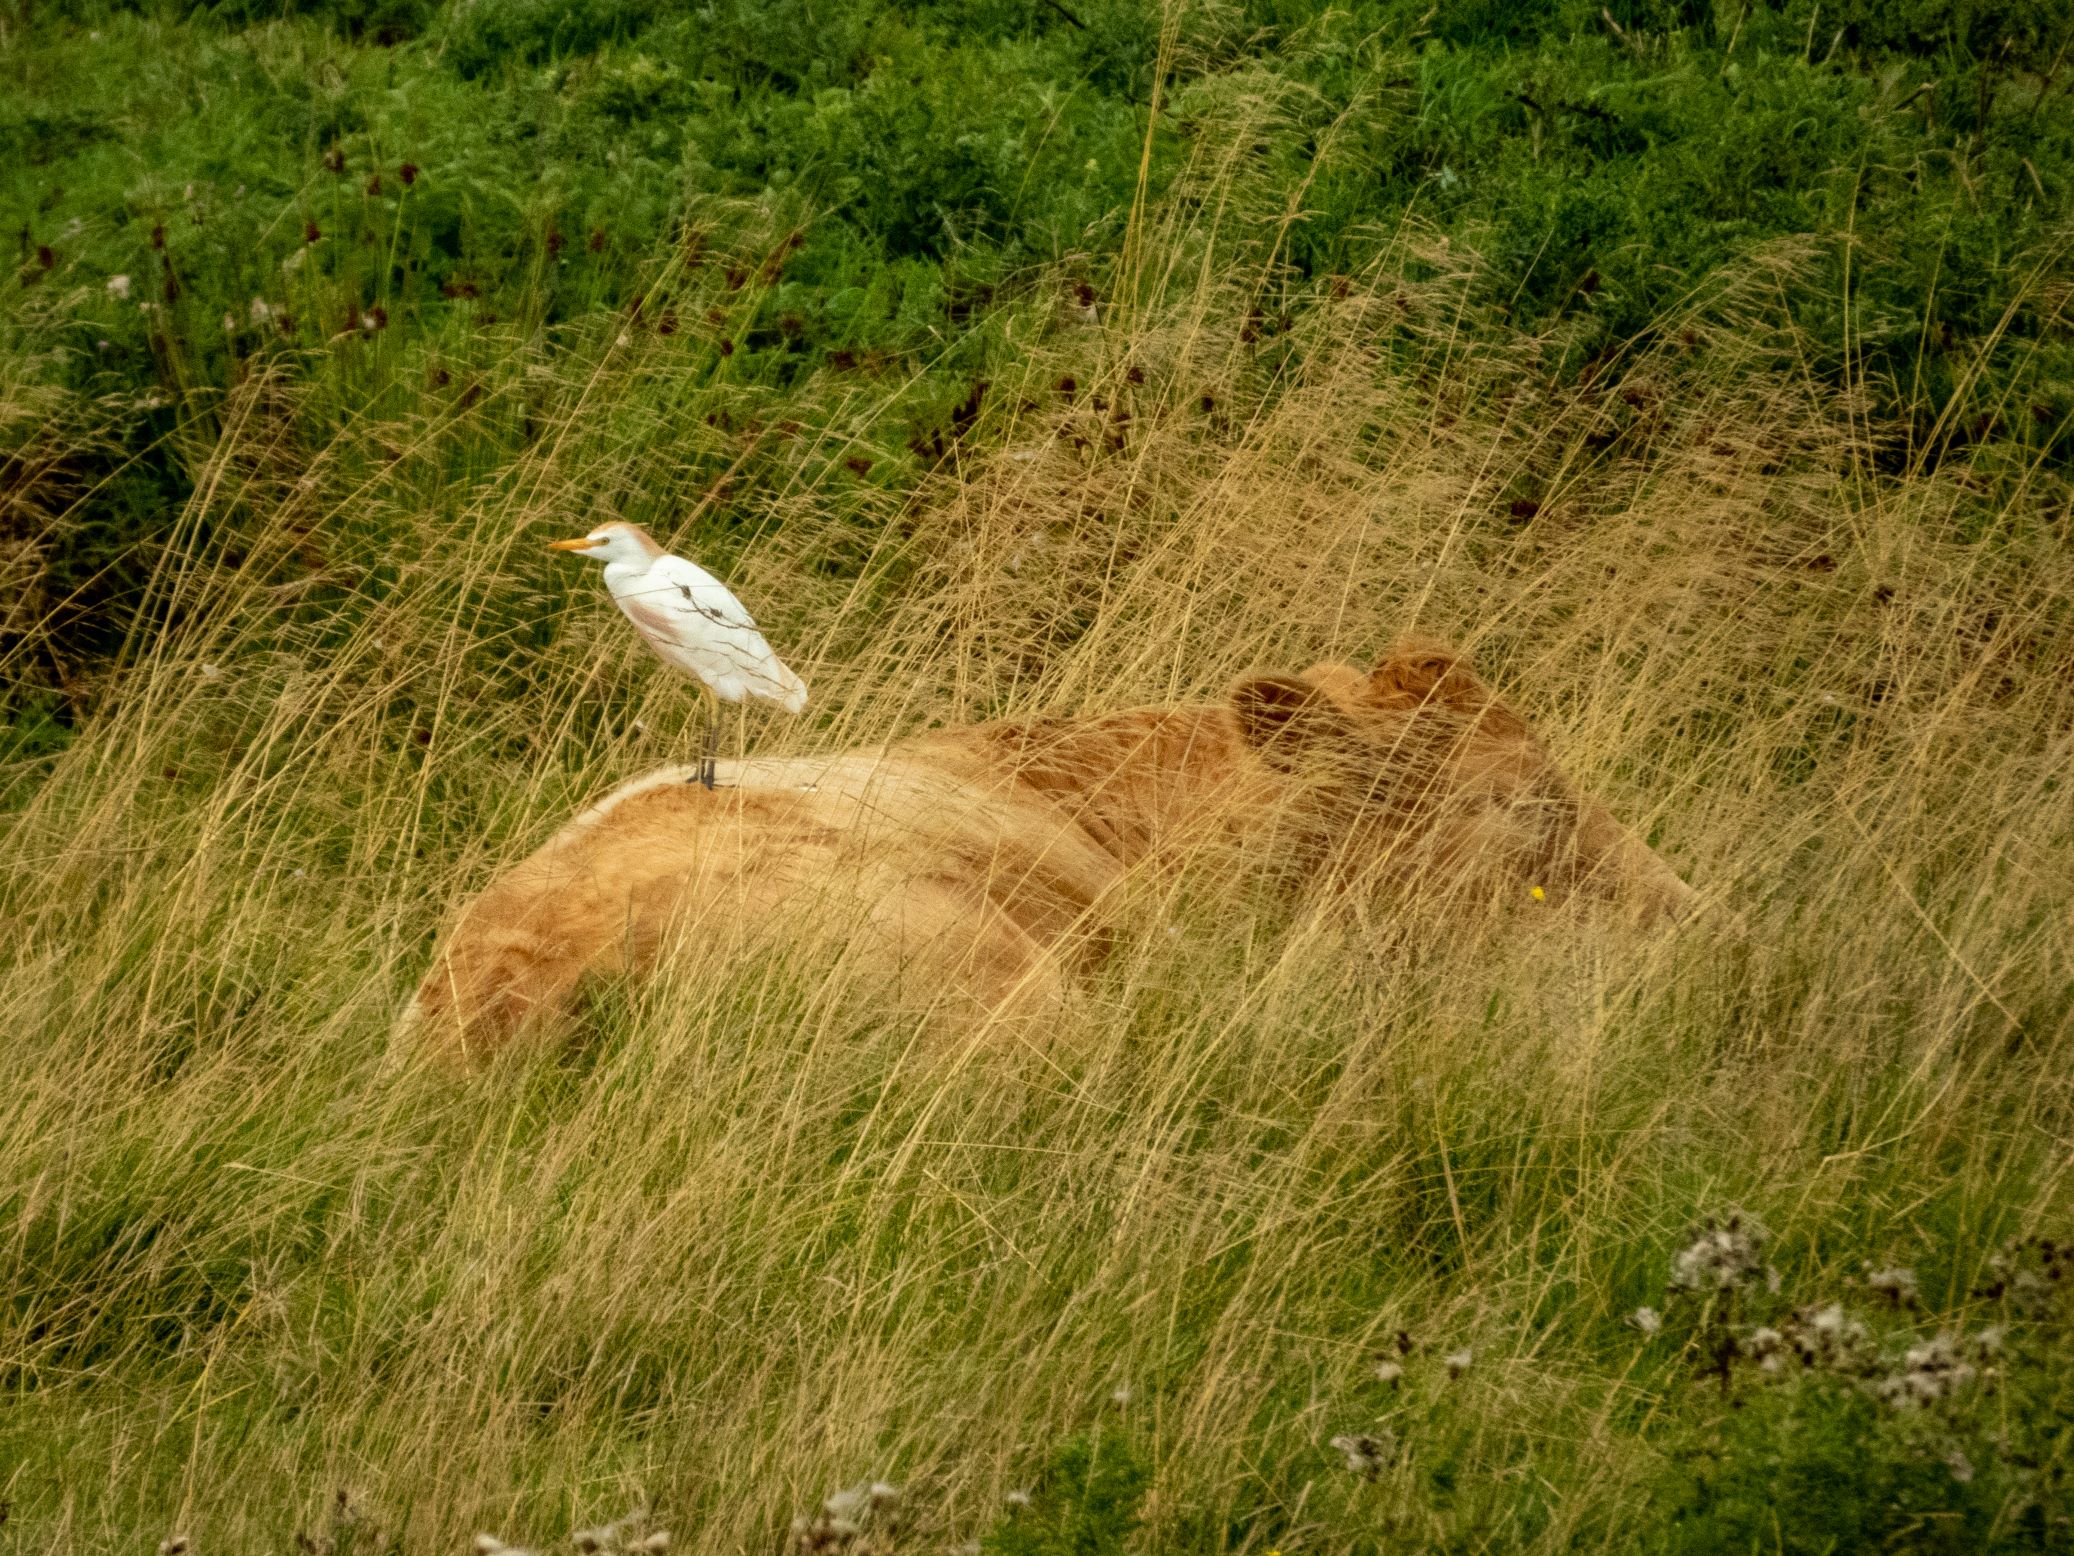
(793,698)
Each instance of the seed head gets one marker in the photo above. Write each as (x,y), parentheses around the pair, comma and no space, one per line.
(1767,1347)
(1830,1339)
(1897,1285)
(1929,1372)
(1721,1256)
(1367,1454)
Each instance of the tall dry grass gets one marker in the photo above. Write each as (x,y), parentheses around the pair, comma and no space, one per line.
(735,1243)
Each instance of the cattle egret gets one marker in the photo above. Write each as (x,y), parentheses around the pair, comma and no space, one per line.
(691,621)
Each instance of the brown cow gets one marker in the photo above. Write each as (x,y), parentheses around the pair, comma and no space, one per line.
(975,863)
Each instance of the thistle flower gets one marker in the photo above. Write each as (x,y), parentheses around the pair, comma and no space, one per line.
(1767,1347)
(1830,1339)
(867,1508)
(1897,1285)
(1646,1319)
(1721,1256)
(1367,1454)
(1929,1372)
(1459,1362)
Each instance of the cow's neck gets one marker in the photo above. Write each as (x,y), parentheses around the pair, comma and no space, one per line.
(1136,781)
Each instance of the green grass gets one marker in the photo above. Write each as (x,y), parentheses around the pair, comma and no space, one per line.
(289,675)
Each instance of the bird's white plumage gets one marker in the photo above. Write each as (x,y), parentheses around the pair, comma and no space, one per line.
(690,618)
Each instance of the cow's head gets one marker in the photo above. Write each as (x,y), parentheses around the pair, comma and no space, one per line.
(1416,773)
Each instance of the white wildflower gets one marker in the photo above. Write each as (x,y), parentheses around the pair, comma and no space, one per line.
(1767,1347)
(1646,1319)
(867,1508)
(260,311)
(1929,1372)
(1389,1372)
(1721,1255)
(1367,1454)
(1827,1337)
(1018,1499)
(119,288)
(1897,1285)
(1960,1466)
(1459,1362)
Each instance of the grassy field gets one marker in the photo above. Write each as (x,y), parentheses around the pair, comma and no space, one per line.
(1311,1231)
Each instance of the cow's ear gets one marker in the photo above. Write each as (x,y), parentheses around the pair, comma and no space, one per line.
(1289,722)
(1420,670)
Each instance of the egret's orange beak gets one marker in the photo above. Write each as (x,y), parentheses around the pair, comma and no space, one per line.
(569,545)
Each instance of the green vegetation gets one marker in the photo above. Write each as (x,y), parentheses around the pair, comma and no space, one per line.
(885,178)
(1705,370)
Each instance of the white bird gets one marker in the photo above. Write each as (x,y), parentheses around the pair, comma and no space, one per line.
(691,621)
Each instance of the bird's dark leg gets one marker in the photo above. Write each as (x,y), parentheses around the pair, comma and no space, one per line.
(706,762)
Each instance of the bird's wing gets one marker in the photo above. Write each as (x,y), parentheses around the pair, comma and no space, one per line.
(688,586)
(692,622)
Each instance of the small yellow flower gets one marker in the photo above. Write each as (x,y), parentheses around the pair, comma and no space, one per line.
(1538,894)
